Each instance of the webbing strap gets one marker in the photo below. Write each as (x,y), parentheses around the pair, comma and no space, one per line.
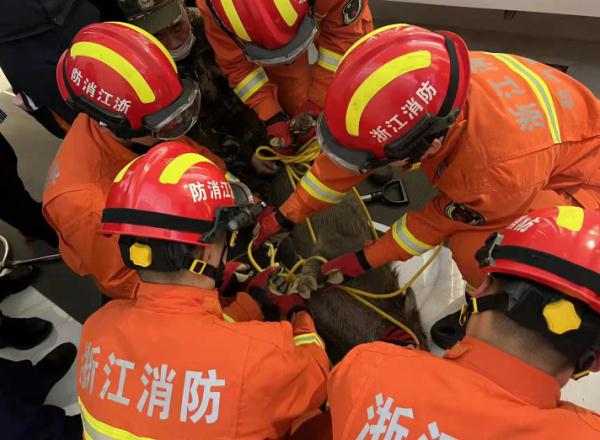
(575,273)
(155,220)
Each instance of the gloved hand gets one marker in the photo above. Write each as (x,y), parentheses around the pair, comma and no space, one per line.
(258,289)
(269,223)
(395,335)
(278,134)
(235,275)
(349,265)
(288,304)
(304,123)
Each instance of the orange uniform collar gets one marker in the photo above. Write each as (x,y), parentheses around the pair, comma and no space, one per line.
(174,299)
(519,378)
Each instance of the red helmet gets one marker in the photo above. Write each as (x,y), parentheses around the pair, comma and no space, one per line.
(171,193)
(268,32)
(558,247)
(394,91)
(122,76)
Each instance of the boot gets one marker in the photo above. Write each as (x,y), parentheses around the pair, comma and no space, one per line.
(23,333)
(16,279)
(55,365)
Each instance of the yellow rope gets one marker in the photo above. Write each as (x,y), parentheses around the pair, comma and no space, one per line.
(388,317)
(295,167)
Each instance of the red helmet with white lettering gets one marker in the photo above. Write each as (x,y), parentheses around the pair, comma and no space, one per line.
(123,77)
(558,247)
(171,193)
(268,32)
(395,90)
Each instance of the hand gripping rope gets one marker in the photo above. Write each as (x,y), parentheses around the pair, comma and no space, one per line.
(295,167)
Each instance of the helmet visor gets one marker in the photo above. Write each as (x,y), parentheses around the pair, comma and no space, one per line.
(357,161)
(284,54)
(176,120)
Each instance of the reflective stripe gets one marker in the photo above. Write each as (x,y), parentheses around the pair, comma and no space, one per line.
(469,288)
(124,170)
(287,11)
(152,38)
(119,64)
(372,34)
(328,59)
(250,85)
(539,88)
(228,319)
(94,429)
(309,338)
(234,19)
(177,167)
(319,191)
(406,240)
(378,80)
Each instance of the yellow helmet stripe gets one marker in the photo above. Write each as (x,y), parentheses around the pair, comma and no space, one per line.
(119,64)
(570,217)
(124,170)
(372,34)
(234,19)
(378,80)
(287,11)
(175,170)
(152,38)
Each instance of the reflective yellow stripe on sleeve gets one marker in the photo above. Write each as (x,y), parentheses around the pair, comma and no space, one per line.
(328,59)
(94,429)
(406,240)
(319,191)
(309,338)
(228,319)
(539,88)
(250,85)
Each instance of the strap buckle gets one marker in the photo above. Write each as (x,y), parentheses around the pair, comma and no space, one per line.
(194,266)
(467,309)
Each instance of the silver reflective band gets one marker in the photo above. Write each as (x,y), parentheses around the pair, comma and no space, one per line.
(328,59)
(407,240)
(250,85)
(319,191)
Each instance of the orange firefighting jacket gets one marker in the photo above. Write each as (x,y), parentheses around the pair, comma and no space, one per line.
(270,90)
(525,128)
(76,189)
(478,392)
(167,366)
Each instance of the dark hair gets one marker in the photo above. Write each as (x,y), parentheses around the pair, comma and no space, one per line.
(527,300)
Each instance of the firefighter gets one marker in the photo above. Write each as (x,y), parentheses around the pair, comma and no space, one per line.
(262,50)
(125,86)
(225,125)
(175,368)
(498,135)
(534,323)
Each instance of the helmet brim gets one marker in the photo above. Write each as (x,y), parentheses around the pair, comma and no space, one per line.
(284,54)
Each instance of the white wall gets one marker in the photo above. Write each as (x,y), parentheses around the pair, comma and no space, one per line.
(590,8)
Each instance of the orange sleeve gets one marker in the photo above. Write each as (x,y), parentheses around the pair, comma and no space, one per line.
(205,152)
(83,248)
(334,39)
(418,231)
(248,80)
(299,384)
(244,308)
(323,186)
